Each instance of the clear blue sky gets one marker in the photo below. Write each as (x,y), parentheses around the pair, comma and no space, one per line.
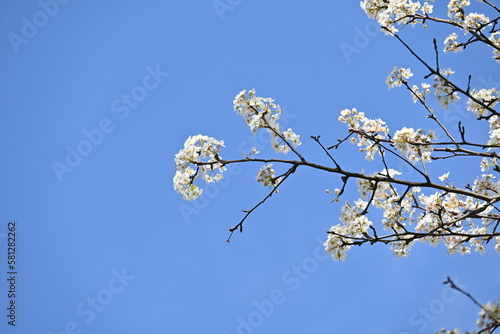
(96,99)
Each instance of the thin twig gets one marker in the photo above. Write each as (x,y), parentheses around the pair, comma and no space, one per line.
(454,286)
(248,212)
(316,139)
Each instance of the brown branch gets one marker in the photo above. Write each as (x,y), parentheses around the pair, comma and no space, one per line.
(446,80)
(375,178)
(268,126)
(248,212)
(495,321)
(316,139)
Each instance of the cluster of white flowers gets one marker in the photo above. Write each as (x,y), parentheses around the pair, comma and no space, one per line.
(401,247)
(445,93)
(291,137)
(495,39)
(444,331)
(398,76)
(389,12)
(494,130)
(200,155)
(486,185)
(490,313)
(487,97)
(440,211)
(404,12)
(367,130)
(487,163)
(387,199)
(263,113)
(267,177)
(355,224)
(197,149)
(451,44)
(456,9)
(442,214)
(475,22)
(414,145)
(337,244)
(420,94)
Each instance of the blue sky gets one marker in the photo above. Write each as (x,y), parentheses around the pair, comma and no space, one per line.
(97,98)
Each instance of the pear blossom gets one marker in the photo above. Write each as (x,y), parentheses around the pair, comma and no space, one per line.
(415,145)
(263,113)
(398,76)
(475,21)
(445,93)
(388,13)
(451,44)
(420,94)
(486,97)
(495,39)
(487,163)
(456,9)
(444,177)
(197,149)
(367,130)
(426,8)
(267,177)
(354,225)
(490,313)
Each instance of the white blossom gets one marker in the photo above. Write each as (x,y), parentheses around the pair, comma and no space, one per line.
(487,163)
(367,130)
(263,113)
(486,185)
(267,176)
(490,313)
(486,97)
(415,145)
(388,13)
(420,94)
(495,39)
(456,9)
(398,76)
(445,93)
(451,44)
(475,22)
(444,177)
(197,149)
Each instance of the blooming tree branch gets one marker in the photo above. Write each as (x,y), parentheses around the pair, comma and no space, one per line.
(416,205)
